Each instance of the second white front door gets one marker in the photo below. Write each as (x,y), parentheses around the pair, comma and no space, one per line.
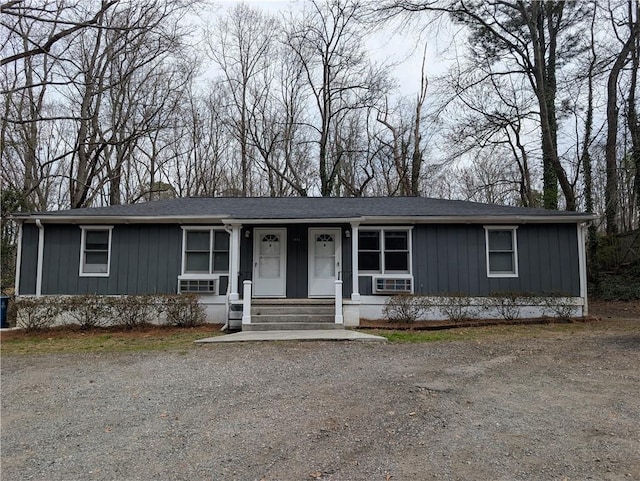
(324,261)
(269,262)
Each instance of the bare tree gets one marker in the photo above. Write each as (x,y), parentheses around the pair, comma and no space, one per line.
(406,139)
(240,44)
(525,38)
(62,20)
(621,59)
(327,40)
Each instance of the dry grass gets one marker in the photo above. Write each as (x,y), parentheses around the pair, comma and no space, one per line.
(73,340)
(156,338)
(511,331)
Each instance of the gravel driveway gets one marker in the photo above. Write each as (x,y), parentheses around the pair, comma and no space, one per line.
(555,407)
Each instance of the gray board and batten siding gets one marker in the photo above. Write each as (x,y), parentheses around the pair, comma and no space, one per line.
(145,259)
(446,258)
(451,258)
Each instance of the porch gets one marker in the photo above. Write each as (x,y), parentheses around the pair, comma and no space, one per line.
(269,314)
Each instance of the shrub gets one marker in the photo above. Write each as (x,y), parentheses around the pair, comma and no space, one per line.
(553,306)
(457,307)
(89,310)
(406,308)
(37,312)
(183,310)
(507,303)
(129,312)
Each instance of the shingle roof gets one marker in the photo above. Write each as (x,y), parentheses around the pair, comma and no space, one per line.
(309,208)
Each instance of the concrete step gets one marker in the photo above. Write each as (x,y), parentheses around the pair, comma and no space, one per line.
(291,326)
(287,310)
(293,317)
(297,302)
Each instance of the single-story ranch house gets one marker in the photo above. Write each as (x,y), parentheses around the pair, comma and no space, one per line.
(248,257)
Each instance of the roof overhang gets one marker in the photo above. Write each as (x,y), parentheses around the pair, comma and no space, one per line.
(227,220)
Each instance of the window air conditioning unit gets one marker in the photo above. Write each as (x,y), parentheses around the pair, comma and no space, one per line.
(199,286)
(392,285)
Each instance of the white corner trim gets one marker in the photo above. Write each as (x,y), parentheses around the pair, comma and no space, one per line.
(16,287)
(40,257)
(582,264)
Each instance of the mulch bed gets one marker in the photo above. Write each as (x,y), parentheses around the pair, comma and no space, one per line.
(439,325)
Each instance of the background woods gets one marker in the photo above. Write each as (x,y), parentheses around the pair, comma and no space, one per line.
(124,101)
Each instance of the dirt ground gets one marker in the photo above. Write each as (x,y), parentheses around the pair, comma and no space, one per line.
(534,404)
(613,309)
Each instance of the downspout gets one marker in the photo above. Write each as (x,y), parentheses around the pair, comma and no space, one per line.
(16,289)
(40,257)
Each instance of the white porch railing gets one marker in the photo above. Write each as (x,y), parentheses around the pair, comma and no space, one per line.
(246,302)
(339,317)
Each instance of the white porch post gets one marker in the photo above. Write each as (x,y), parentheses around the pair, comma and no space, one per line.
(246,303)
(234,267)
(339,317)
(355,286)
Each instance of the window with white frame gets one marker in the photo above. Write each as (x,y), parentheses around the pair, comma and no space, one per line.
(95,251)
(384,251)
(205,251)
(502,251)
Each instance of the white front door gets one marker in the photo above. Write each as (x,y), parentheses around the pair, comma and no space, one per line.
(324,261)
(269,262)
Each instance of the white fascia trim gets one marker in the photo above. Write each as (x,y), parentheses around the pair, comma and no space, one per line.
(140,219)
(519,219)
(203,227)
(225,219)
(279,221)
(83,238)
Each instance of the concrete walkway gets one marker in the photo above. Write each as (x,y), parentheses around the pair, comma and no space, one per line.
(308,335)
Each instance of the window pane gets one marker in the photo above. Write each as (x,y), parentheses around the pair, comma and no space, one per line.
(97,240)
(269,267)
(221,241)
(369,261)
(395,241)
(198,241)
(396,261)
(221,261)
(501,262)
(95,262)
(368,241)
(197,262)
(324,267)
(500,240)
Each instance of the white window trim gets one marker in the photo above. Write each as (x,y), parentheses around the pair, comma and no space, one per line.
(514,233)
(382,271)
(83,240)
(202,275)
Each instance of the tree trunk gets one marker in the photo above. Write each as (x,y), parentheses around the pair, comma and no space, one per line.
(611,188)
